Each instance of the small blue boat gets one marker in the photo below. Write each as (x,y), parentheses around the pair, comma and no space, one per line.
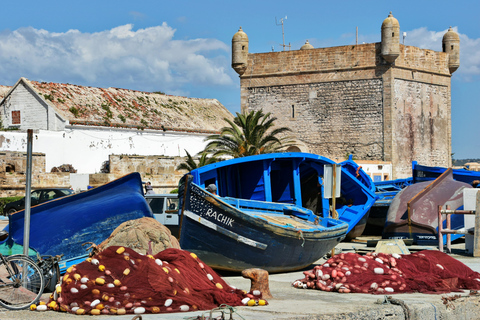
(356,171)
(385,192)
(270,212)
(61,226)
(424,173)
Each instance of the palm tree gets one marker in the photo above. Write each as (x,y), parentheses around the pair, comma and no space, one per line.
(191,164)
(249,134)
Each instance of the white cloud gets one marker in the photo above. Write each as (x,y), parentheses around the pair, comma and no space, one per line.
(145,59)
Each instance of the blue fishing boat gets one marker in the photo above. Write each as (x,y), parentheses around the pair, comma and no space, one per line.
(425,173)
(385,192)
(61,226)
(356,171)
(270,212)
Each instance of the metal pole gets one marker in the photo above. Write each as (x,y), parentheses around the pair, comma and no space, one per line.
(440,227)
(28,191)
(334,186)
(186,180)
(476,232)
(449,235)
(334,202)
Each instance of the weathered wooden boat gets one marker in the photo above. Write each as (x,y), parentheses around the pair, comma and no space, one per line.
(270,212)
(61,226)
(413,213)
(422,173)
(386,191)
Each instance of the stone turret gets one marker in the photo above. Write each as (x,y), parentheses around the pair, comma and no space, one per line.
(390,39)
(240,51)
(451,45)
(306,46)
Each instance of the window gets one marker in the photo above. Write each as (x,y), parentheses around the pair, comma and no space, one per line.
(49,195)
(293,111)
(16,117)
(156,204)
(172,204)
(36,195)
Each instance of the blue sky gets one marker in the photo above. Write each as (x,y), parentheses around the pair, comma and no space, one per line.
(183,47)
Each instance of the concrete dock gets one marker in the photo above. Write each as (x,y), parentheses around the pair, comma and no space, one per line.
(292,303)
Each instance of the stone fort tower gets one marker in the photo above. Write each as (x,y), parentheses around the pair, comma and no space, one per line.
(378,101)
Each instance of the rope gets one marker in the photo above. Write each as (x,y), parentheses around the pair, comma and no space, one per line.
(390,300)
(301,236)
(222,308)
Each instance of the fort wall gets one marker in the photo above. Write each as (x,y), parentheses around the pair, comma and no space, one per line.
(349,100)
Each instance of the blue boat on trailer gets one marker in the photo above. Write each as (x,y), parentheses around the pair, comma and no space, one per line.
(270,212)
(61,226)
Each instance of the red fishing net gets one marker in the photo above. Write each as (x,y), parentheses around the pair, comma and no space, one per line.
(119,280)
(425,271)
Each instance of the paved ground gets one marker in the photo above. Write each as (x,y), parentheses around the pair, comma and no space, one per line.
(292,303)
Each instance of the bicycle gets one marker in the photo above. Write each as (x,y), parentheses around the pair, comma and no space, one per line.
(21,282)
(50,270)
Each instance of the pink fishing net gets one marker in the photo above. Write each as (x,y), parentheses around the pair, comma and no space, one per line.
(119,280)
(425,271)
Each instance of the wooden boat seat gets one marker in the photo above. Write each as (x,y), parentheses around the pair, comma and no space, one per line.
(285,220)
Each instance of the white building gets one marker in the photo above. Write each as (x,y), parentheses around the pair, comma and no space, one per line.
(82,126)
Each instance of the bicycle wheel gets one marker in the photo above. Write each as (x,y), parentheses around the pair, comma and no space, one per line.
(21,282)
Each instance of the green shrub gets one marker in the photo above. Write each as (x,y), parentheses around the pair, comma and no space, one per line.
(121,117)
(74,111)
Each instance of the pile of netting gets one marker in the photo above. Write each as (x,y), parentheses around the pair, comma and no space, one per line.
(119,280)
(425,271)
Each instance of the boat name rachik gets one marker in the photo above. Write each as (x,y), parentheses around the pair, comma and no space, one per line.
(220,217)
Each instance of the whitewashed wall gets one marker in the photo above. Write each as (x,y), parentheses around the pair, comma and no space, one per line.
(34,113)
(87,148)
(376,170)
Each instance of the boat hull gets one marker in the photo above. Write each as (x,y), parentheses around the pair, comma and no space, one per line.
(227,238)
(61,226)
(424,199)
(425,173)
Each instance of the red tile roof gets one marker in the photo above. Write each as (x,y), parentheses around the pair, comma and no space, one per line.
(129,108)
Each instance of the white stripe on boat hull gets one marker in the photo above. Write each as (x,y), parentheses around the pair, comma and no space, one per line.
(224,231)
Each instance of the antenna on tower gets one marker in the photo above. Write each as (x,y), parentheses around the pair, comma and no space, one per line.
(283,32)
